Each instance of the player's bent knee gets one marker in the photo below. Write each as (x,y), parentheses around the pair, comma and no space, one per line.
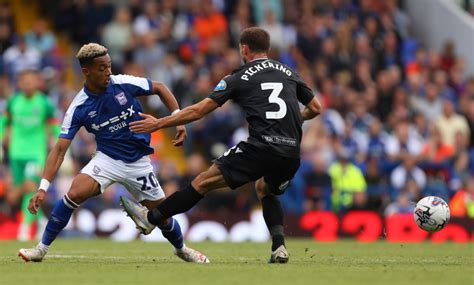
(77,197)
(261,189)
(83,188)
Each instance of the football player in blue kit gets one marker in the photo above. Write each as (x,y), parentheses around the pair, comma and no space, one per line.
(105,107)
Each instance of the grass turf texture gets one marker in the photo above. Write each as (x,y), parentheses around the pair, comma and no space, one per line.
(344,262)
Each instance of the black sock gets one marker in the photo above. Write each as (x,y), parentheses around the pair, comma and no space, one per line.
(179,202)
(273,215)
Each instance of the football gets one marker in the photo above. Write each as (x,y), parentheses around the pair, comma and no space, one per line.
(431,214)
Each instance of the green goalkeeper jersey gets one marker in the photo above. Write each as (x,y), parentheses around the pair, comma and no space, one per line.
(28,119)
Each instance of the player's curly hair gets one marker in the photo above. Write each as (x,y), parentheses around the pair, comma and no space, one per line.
(88,52)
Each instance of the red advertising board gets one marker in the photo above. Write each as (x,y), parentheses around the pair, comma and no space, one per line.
(364,226)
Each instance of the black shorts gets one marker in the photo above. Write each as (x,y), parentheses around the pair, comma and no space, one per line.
(245,163)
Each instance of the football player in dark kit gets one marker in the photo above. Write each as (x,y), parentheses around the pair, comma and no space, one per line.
(268,92)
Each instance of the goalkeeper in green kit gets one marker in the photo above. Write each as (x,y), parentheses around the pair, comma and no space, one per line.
(30,123)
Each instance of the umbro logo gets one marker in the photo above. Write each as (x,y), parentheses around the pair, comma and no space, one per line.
(92,114)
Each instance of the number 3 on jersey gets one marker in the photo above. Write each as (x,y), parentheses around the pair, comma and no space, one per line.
(276,88)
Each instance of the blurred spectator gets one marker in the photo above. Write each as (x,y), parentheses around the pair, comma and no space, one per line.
(377,184)
(208,24)
(389,55)
(148,54)
(168,177)
(404,141)
(117,35)
(434,150)
(239,20)
(420,125)
(6,38)
(318,186)
(360,118)
(450,123)
(348,183)
(462,203)
(96,14)
(195,164)
(448,55)
(363,50)
(430,105)
(459,165)
(469,113)
(406,172)
(261,7)
(376,140)
(41,38)
(275,29)
(20,57)
(293,201)
(401,20)
(385,94)
(362,78)
(402,205)
(354,142)
(400,107)
(440,79)
(456,78)
(307,41)
(148,23)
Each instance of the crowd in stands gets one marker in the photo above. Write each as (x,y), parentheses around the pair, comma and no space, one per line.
(398,117)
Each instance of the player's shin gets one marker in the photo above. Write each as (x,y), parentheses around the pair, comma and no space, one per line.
(273,215)
(172,232)
(177,203)
(59,218)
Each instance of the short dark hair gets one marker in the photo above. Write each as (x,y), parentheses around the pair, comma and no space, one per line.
(257,39)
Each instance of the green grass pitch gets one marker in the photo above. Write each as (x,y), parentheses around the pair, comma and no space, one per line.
(345,262)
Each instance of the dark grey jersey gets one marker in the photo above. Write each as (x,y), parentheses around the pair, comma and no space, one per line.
(268,92)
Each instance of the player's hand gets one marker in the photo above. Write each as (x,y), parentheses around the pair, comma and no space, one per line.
(36,201)
(180,136)
(149,124)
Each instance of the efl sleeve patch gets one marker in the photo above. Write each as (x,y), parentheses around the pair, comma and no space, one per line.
(222,85)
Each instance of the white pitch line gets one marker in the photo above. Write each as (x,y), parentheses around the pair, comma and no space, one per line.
(84,256)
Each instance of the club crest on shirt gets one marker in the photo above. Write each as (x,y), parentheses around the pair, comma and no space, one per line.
(96,169)
(121,98)
(222,85)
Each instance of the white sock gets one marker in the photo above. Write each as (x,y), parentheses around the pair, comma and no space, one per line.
(43,246)
(181,249)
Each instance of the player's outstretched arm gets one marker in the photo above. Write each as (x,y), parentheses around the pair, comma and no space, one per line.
(53,162)
(311,110)
(189,114)
(170,102)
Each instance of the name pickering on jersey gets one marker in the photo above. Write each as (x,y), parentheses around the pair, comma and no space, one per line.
(268,92)
(263,65)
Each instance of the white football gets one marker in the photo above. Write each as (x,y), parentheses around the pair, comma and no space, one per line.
(431,214)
